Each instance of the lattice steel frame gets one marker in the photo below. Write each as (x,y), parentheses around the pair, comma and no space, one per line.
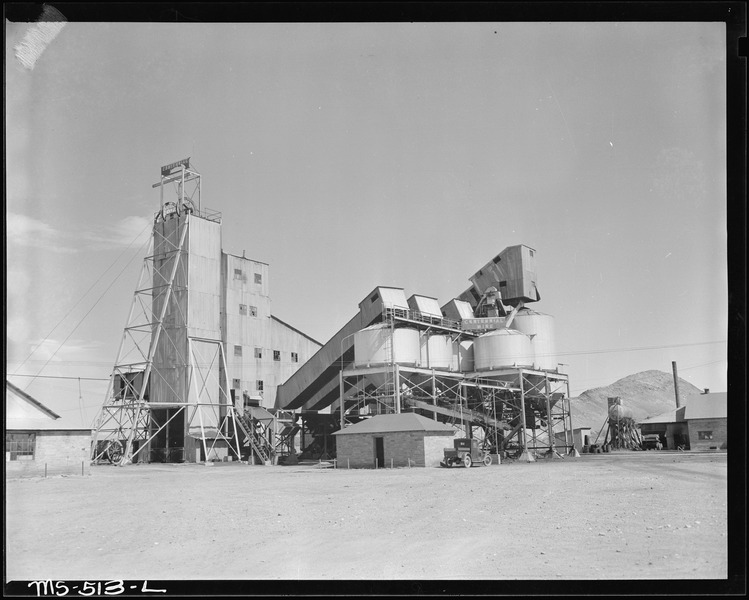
(492,405)
(125,415)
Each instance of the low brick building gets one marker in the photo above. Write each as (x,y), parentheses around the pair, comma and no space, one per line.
(707,420)
(699,424)
(400,440)
(39,442)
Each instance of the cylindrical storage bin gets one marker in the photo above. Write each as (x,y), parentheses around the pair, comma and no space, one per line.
(502,348)
(463,356)
(373,346)
(437,352)
(540,328)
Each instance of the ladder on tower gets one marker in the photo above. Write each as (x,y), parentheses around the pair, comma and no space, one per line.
(252,438)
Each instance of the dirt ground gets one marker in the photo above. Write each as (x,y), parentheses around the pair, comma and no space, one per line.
(631,515)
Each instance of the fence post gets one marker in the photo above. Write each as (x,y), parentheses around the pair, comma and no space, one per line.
(81,468)
(391,463)
(348,463)
(45,470)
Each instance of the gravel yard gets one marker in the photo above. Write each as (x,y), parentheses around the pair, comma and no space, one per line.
(629,515)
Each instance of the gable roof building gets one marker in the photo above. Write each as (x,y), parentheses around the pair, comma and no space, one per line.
(38,441)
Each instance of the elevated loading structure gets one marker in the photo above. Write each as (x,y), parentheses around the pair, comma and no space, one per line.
(500,384)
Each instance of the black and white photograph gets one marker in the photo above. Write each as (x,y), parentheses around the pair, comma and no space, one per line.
(311,301)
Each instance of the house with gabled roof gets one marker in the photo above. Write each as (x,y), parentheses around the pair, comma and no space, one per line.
(39,442)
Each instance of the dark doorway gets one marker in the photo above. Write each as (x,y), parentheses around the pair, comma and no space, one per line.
(379,452)
(168,445)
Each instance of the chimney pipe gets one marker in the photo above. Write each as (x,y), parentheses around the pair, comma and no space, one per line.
(676,384)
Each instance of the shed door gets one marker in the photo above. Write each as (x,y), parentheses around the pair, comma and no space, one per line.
(379,448)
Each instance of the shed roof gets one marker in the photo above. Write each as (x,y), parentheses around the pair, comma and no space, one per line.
(395,423)
(707,406)
(675,415)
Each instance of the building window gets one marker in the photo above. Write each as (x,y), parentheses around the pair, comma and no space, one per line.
(236,384)
(242,309)
(237,350)
(276,355)
(19,446)
(253,311)
(258,353)
(294,357)
(259,385)
(374,298)
(531,251)
(258,278)
(705,435)
(238,274)
(502,284)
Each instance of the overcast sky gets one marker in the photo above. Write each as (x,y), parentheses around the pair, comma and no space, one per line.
(349,156)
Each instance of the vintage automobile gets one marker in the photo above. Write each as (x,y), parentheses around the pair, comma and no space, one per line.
(465,452)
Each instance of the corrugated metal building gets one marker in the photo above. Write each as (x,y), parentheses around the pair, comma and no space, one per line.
(262,351)
(40,442)
(398,440)
(222,299)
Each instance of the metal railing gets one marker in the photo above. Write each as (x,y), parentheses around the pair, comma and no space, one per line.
(409,314)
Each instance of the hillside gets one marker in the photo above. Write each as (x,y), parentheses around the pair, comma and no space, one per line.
(647,394)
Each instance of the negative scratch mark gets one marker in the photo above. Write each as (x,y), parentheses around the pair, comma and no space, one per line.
(553,93)
(40,36)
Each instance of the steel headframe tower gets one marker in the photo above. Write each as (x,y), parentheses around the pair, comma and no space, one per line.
(163,363)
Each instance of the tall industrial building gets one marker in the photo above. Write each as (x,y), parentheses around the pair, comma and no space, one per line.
(201,349)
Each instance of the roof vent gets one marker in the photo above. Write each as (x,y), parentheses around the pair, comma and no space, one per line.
(707,391)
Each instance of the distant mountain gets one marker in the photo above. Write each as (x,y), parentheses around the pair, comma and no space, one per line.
(647,394)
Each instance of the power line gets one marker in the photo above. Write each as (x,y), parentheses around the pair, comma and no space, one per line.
(59,377)
(116,260)
(637,348)
(88,313)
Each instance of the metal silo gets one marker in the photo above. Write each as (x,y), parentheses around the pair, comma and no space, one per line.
(463,358)
(502,348)
(437,352)
(540,328)
(378,345)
